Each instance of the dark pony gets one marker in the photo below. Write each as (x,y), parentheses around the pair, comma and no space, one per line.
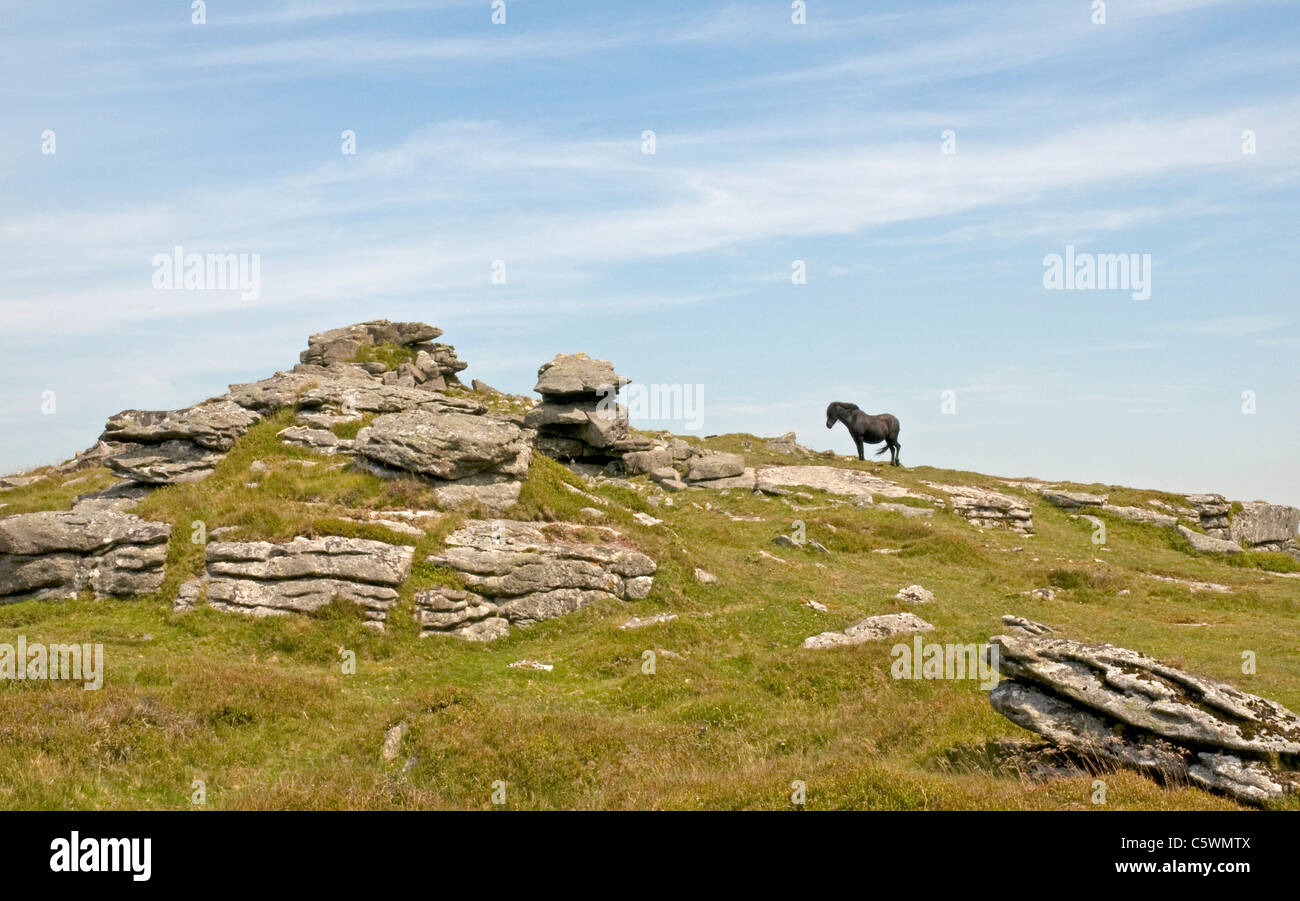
(866,429)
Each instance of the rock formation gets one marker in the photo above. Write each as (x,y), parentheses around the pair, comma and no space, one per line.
(469,458)
(1125,709)
(300,576)
(56,554)
(579,417)
(433,365)
(1269,527)
(159,447)
(988,509)
(1212,510)
(523,572)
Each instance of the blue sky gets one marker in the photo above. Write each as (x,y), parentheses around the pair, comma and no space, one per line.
(774,142)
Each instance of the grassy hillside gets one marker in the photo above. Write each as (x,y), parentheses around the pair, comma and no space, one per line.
(261,711)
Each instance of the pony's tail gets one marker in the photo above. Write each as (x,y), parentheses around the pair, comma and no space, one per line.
(882,450)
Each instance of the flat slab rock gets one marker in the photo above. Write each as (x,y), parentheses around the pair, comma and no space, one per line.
(1136,712)
(987,508)
(525,572)
(1206,544)
(873,628)
(56,554)
(831,479)
(302,575)
(164,447)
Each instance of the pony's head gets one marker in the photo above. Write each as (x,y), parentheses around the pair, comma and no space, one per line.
(836,410)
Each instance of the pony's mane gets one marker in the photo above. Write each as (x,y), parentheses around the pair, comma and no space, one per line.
(839,404)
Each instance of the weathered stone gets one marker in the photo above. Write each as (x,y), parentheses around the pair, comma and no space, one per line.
(168,463)
(1206,544)
(446,445)
(535,571)
(1140,514)
(715,466)
(214,426)
(915,594)
(570,375)
(987,509)
(873,628)
(1147,695)
(745,481)
(786,444)
(341,345)
(376,397)
(305,574)
(650,461)
(831,479)
(1095,733)
(1026,626)
(56,554)
(1262,524)
(322,441)
(1071,500)
(284,389)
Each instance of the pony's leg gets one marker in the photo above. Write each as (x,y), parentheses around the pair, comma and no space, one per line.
(858,442)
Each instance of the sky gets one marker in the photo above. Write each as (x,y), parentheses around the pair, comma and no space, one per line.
(917,161)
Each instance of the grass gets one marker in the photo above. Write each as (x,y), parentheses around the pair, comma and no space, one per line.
(264,712)
(390,354)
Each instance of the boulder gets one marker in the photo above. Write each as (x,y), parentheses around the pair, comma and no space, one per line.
(1129,710)
(873,628)
(578,375)
(915,594)
(1206,544)
(1265,524)
(715,466)
(525,572)
(445,445)
(639,462)
(56,554)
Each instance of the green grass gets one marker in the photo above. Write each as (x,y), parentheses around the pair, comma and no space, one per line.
(391,355)
(262,712)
